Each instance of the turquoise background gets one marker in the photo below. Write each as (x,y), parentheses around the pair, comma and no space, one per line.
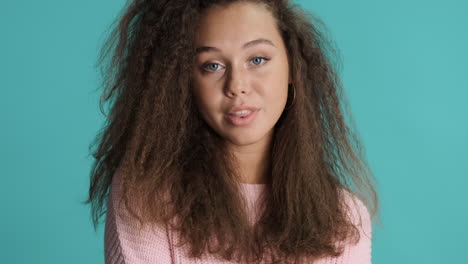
(404,70)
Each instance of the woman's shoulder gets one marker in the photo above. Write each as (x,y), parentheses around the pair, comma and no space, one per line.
(124,237)
(355,207)
(359,251)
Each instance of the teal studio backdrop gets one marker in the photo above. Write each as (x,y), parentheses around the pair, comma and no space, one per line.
(404,68)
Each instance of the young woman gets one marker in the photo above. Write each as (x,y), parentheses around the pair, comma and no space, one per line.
(226,140)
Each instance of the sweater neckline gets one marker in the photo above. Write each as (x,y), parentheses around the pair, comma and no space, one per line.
(253,184)
(253,188)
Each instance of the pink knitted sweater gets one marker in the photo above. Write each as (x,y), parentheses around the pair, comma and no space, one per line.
(124,244)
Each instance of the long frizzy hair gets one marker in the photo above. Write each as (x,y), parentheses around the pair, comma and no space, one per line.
(174,165)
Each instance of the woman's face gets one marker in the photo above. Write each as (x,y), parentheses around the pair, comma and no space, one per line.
(241,61)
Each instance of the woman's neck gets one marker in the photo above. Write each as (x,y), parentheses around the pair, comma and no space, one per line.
(254,160)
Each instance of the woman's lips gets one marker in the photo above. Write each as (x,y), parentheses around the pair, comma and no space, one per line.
(241,120)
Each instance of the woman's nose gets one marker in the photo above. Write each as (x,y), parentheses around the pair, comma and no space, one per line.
(236,83)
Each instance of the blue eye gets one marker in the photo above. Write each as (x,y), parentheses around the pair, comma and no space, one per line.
(258,60)
(210,68)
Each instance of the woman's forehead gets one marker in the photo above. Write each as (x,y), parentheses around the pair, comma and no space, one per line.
(236,24)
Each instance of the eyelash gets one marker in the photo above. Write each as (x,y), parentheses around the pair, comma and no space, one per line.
(258,57)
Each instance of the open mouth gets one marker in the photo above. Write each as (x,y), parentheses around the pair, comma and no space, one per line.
(242,119)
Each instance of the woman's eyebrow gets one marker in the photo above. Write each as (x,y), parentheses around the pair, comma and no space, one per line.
(246,45)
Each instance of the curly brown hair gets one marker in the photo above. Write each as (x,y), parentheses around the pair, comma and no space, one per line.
(174,164)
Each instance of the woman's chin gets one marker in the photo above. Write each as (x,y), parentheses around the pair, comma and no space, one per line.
(244,139)
(241,141)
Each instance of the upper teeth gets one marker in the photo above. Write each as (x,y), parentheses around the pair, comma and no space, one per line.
(243,112)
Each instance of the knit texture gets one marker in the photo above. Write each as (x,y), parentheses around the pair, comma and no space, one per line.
(125,244)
